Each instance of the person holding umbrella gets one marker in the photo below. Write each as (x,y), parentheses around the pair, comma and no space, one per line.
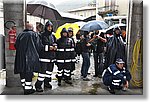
(47,57)
(85,46)
(98,51)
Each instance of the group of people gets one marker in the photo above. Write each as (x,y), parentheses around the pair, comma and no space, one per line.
(39,51)
(109,58)
(92,42)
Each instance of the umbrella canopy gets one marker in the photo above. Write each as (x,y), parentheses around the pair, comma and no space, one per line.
(94,25)
(110,29)
(67,25)
(80,23)
(43,9)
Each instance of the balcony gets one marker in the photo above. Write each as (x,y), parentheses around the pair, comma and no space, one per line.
(113,9)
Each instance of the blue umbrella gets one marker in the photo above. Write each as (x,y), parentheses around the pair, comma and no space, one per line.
(94,25)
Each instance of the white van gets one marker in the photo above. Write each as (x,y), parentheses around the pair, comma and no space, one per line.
(115,20)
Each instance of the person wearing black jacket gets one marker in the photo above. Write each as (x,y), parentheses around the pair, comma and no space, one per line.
(85,46)
(65,56)
(98,45)
(70,35)
(39,28)
(115,48)
(27,46)
(78,46)
(47,57)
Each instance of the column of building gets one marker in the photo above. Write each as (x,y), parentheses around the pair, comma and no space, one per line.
(13,11)
(135,33)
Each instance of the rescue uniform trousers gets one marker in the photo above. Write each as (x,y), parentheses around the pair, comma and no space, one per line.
(45,73)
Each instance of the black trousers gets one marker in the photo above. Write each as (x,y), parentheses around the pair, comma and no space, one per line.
(98,63)
(45,66)
(44,74)
(26,79)
(64,70)
(27,76)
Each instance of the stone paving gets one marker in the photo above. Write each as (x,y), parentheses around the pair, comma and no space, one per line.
(79,87)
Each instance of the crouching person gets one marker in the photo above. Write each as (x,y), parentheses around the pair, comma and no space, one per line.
(116,76)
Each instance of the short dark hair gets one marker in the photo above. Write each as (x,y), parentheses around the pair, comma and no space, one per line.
(40,25)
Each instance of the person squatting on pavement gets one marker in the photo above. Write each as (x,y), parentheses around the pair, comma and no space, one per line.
(65,56)
(47,57)
(116,76)
(27,46)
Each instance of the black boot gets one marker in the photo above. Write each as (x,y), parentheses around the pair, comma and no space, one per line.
(68,82)
(59,80)
(29,91)
(38,85)
(111,90)
(46,83)
(23,83)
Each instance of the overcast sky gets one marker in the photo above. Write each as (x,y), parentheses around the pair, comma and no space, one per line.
(65,5)
(57,2)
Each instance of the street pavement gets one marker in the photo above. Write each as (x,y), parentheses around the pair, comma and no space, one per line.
(79,87)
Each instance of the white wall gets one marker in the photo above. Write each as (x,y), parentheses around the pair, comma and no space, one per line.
(85,13)
(99,3)
(33,20)
(123,7)
(1,19)
(1,36)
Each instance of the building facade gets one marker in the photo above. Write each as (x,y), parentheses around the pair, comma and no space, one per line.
(103,8)
(86,11)
(112,7)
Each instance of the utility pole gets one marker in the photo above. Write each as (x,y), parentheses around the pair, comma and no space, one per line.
(135,33)
(13,11)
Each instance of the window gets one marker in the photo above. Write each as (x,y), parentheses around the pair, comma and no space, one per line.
(124,21)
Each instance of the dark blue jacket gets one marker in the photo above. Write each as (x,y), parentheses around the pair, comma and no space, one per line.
(47,39)
(115,76)
(28,46)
